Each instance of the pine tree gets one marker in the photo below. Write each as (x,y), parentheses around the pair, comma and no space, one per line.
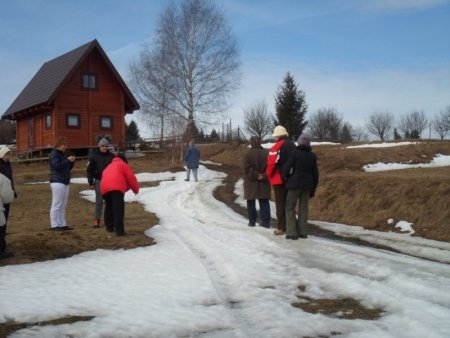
(191,131)
(214,136)
(397,136)
(201,135)
(346,136)
(291,107)
(132,132)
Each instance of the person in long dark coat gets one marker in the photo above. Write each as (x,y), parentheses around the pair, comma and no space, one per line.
(302,177)
(256,185)
(98,161)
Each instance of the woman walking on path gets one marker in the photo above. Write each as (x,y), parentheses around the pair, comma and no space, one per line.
(256,185)
(98,161)
(117,179)
(278,155)
(302,177)
(60,171)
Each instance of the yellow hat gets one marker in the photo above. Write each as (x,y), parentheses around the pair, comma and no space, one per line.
(280,131)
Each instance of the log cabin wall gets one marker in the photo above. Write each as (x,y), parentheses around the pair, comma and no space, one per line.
(41,110)
(90,105)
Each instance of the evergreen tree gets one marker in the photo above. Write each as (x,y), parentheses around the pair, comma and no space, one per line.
(201,135)
(291,107)
(191,131)
(214,136)
(132,132)
(397,136)
(346,136)
(7,132)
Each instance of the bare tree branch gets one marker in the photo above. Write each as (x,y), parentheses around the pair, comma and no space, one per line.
(380,124)
(257,120)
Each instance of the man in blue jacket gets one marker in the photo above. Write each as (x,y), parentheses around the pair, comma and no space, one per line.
(192,158)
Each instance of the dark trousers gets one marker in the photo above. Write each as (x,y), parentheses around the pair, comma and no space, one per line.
(264,212)
(300,199)
(280,203)
(3,229)
(114,212)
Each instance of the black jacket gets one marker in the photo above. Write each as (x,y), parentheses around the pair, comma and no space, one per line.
(300,170)
(60,167)
(286,151)
(98,161)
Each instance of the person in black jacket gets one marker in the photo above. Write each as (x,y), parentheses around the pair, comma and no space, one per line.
(60,168)
(98,161)
(302,177)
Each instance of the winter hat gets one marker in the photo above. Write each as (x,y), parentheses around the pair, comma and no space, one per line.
(304,140)
(280,131)
(3,151)
(103,142)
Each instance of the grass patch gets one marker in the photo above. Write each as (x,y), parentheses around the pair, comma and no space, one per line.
(11,326)
(342,308)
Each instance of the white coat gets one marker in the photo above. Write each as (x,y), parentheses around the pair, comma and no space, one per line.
(6,196)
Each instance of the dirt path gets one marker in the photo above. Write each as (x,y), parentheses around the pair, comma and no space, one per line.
(225,193)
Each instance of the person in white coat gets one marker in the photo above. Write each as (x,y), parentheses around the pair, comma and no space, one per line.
(6,197)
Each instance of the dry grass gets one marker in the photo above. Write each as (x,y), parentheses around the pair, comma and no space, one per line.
(29,236)
(349,195)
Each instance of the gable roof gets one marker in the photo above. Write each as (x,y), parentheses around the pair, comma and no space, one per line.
(51,77)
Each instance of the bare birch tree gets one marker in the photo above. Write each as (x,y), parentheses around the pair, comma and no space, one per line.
(194,63)
(150,84)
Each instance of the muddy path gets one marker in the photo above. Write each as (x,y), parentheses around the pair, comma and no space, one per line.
(225,193)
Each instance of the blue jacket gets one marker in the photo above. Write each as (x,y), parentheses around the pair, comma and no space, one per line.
(60,167)
(192,157)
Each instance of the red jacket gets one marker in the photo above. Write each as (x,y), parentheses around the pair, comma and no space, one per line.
(118,176)
(272,172)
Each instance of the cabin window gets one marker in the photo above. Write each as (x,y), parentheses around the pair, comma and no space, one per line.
(89,81)
(106,122)
(48,121)
(73,120)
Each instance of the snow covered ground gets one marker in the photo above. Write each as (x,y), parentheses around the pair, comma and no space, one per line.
(210,275)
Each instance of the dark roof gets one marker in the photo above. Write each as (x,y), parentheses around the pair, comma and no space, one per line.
(44,86)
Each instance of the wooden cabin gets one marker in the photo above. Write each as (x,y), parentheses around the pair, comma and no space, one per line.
(79,95)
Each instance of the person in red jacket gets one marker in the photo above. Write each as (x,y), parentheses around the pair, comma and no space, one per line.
(117,179)
(278,156)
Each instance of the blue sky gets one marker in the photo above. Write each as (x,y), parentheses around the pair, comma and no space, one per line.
(356,56)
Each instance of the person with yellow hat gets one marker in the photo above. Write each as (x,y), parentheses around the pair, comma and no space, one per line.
(278,156)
